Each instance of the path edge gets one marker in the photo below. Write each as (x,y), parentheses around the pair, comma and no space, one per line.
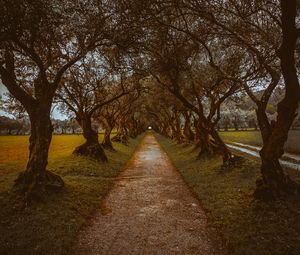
(227,249)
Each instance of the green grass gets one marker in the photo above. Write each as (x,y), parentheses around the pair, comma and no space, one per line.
(52,227)
(254,138)
(247,226)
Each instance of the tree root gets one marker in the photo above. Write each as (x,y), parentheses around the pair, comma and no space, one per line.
(35,186)
(94,151)
(272,191)
(205,155)
(121,139)
(232,162)
(108,146)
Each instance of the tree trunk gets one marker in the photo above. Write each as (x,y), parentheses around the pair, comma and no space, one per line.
(35,181)
(121,137)
(197,131)
(107,144)
(263,123)
(91,148)
(274,182)
(222,149)
(236,126)
(187,131)
(205,149)
(176,131)
(133,128)
(211,144)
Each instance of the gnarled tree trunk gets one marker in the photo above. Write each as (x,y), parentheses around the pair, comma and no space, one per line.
(221,148)
(274,182)
(187,130)
(91,148)
(121,136)
(211,144)
(106,143)
(206,150)
(35,181)
(176,132)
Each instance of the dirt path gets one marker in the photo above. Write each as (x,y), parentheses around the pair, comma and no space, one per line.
(149,211)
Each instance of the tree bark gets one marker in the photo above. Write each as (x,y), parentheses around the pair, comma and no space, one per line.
(121,136)
(35,181)
(222,149)
(106,143)
(176,131)
(91,148)
(206,150)
(210,143)
(187,131)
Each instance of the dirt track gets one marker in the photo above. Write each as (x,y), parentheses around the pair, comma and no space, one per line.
(150,210)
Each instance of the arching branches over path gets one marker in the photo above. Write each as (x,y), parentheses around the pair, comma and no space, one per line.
(39,41)
(176,64)
(190,55)
(165,111)
(37,48)
(87,88)
(258,38)
(266,31)
(128,120)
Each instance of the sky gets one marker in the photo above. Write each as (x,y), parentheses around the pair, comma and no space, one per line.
(2,91)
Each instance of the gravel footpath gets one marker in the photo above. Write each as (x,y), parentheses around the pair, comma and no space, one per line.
(150,210)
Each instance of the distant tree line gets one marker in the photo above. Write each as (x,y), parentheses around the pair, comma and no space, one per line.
(10,126)
(239,113)
(21,126)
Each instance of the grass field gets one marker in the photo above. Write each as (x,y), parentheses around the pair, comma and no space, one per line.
(14,149)
(248,227)
(254,138)
(51,227)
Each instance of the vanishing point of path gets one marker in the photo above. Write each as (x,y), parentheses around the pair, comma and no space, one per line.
(150,210)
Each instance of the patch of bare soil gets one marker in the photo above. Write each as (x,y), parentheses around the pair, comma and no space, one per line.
(150,210)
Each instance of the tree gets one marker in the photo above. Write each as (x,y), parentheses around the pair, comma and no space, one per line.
(60,126)
(108,118)
(187,130)
(40,40)
(179,69)
(87,87)
(255,27)
(126,124)
(112,116)
(274,181)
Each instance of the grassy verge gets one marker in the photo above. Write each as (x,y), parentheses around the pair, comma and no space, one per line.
(248,227)
(51,227)
(247,137)
(254,138)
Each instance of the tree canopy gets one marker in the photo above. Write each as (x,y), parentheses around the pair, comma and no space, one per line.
(177,66)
